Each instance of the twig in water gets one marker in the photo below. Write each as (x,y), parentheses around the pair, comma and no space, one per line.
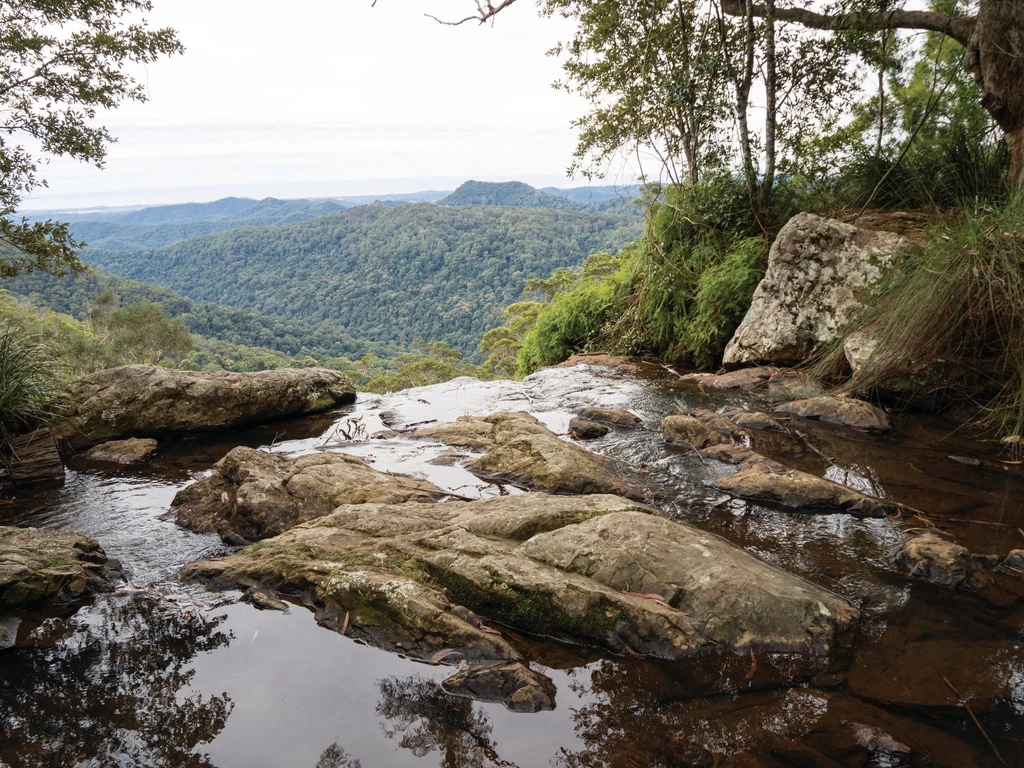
(975,719)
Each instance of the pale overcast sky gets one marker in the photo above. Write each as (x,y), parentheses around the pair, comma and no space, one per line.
(333,97)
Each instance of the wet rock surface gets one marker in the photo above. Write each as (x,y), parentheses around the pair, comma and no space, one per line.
(616,416)
(252,494)
(130,451)
(847,411)
(745,708)
(592,569)
(682,429)
(150,401)
(524,453)
(943,562)
(43,566)
(819,273)
(800,491)
(584,429)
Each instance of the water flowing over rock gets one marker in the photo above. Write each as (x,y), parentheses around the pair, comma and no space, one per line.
(42,566)
(526,454)
(598,570)
(682,429)
(149,401)
(819,271)
(253,494)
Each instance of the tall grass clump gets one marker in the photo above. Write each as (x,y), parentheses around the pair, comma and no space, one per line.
(962,163)
(695,275)
(949,319)
(28,381)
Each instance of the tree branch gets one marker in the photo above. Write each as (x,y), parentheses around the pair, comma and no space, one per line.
(485,11)
(956,28)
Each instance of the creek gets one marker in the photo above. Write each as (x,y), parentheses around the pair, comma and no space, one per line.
(165,674)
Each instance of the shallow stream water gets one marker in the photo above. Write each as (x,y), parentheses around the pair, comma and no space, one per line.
(163,674)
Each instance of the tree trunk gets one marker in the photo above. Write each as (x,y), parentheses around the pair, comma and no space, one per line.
(995,54)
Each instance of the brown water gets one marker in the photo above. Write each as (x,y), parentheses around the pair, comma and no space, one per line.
(166,675)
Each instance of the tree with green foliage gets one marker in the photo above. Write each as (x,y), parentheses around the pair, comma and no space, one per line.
(60,62)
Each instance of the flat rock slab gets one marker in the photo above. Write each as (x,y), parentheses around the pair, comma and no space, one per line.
(149,401)
(130,451)
(526,454)
(760,479)
(599,570)
(39,566)
(252,494)
(819,272)
(839,410)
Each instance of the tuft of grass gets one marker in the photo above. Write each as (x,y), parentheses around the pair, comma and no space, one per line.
(29,379)
(949,319)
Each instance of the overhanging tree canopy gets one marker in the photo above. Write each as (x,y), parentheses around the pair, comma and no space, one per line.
(991,31)
(60,62)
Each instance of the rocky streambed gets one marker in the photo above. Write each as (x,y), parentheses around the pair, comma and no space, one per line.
(606,564)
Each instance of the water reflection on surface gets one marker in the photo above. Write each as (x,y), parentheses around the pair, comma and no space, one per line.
(154,680)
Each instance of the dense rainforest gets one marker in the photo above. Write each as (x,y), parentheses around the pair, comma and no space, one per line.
(381,273)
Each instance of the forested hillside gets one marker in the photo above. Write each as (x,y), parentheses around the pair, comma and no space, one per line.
(381,273)
(76,295)
(162,225)
(514,194)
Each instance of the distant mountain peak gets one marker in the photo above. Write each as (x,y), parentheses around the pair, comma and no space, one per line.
(511,194)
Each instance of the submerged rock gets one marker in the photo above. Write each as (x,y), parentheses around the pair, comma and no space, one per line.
(515,685)
(931,557)
(526,454)
(597,570)
(130,451)
(754,420)
(781,383)
(149,401)
(40,566)
(253,494)
(764,480)
(689,430)
(819,272)
(847,411)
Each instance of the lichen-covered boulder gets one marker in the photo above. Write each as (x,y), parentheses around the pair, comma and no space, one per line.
(150,401)
(39,566)
(252,494)
(819,272)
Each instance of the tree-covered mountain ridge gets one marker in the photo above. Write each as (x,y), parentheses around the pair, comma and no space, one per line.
(381,273)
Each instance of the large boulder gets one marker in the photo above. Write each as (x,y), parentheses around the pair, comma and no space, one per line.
(40,566)
(149,401)
(819,271)
(252,494)
(526,454)
(599,570)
